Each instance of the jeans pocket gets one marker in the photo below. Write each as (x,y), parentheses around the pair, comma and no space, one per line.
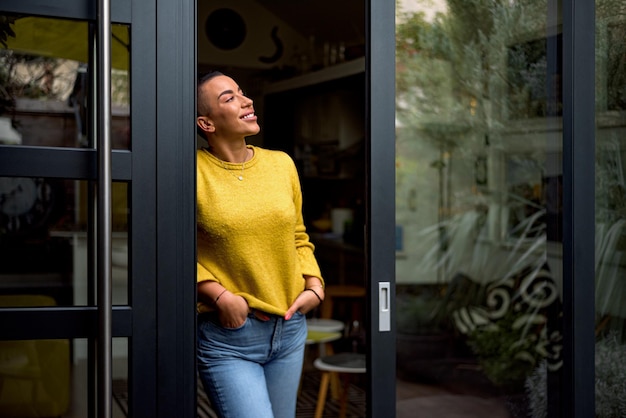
(247,320)
(211,323)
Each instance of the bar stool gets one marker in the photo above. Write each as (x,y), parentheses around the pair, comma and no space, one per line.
(354,295)
(324,325)
(321,338)
(344,364)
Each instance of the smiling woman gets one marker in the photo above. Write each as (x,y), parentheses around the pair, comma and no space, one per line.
(256,272)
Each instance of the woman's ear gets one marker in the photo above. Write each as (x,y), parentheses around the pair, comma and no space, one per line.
(205,124)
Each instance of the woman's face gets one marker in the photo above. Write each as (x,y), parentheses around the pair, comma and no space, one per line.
(231,112)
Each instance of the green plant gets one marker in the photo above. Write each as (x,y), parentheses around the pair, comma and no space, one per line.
(506,355)
(7,101)
(610,377)
(6,30)
(610,390)
(536,384)
(421,313)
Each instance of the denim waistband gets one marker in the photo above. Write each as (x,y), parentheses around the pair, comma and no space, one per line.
(213,316)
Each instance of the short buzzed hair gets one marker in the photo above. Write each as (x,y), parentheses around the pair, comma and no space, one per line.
(203,106)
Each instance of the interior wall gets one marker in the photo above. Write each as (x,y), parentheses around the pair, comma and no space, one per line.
(258,50)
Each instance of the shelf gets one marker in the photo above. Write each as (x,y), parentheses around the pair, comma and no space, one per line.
(335,72)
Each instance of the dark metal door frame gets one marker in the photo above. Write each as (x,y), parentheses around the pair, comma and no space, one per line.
(160,318)
(577,397)
(380,226)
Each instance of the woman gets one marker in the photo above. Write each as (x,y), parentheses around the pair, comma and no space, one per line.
(257,274)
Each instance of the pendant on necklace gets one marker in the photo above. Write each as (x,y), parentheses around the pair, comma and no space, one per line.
(240,178)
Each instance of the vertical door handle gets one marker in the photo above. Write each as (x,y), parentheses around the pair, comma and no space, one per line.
(384,307)
(104,212)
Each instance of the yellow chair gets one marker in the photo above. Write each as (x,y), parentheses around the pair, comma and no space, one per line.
(34,374)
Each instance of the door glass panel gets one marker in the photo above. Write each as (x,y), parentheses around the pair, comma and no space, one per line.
(610,203)
(478,208)
(35,378)
(44,75)
(49,378)
(82,360)
(45,245)
(45,78)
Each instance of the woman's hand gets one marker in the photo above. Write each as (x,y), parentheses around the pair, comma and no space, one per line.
(310,298)
(232,310)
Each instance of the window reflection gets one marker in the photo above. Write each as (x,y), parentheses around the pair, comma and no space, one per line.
(478,204)
(610,199)
(44,75)
(50,378)
(45,100)
(45,243)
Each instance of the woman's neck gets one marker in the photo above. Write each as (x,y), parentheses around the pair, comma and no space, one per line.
(231,153)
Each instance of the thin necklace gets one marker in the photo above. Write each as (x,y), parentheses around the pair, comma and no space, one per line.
(238,177)
(243,165)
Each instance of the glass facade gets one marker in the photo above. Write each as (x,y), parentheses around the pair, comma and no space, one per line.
(610,263)
(46,102)
(478,206)
(45,222)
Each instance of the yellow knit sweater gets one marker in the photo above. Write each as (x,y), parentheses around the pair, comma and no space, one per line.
(251,235)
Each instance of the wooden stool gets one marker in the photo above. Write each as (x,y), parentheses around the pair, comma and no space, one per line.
(344,364)
(333,294)
(321,338)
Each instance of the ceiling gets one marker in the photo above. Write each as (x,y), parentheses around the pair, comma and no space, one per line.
(326,20)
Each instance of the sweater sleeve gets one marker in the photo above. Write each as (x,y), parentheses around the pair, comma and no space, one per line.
(202,272)
(304,247)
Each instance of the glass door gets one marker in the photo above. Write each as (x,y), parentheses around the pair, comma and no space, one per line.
(610,125)
(85,262)
(479,194)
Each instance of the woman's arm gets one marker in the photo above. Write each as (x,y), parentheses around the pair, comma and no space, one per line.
(232,309)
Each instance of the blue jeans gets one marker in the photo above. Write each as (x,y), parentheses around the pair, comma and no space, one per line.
(254,370)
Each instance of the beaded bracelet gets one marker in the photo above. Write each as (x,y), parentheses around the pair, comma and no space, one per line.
(318,296)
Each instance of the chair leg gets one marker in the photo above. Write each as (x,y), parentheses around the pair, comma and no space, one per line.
(335,386)
(344,396)
(321,396)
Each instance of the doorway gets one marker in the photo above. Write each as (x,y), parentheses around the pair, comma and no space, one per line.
(307,80)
